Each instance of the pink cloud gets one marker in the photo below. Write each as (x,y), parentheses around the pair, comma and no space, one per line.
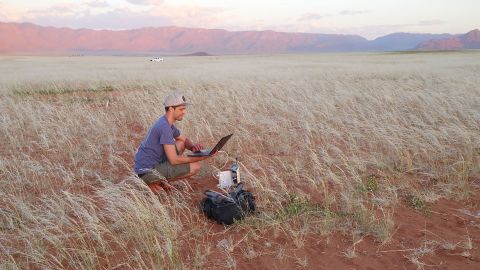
(9,13)
(80,15)
(145,2)
(97,4)
(311,17)
(115,19)
(353,12)
(431,22)
(191,16)
(58,10)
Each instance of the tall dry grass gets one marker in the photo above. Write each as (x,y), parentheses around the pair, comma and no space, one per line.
(327,142)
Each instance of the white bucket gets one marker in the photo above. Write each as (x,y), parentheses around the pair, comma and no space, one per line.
(225,179)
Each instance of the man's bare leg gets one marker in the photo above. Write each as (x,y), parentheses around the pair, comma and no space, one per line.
(180,147)
(164,184)
(194,167)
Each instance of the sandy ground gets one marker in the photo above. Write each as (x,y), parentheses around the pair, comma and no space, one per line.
(447,237)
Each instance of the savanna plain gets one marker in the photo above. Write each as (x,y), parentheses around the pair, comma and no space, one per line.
(357,161)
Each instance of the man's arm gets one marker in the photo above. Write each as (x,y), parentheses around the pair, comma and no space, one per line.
(189,144)
(175,159)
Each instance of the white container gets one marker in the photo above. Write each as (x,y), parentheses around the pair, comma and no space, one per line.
(225,179)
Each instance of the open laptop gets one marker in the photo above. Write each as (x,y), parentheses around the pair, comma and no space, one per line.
(209,152)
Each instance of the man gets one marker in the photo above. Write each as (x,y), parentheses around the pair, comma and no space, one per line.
(159,157)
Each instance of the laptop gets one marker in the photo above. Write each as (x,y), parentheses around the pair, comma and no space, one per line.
(209,152)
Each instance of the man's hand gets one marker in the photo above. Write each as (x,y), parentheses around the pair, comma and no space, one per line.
(197,147)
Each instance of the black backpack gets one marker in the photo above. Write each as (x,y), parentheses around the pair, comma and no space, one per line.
(225,209)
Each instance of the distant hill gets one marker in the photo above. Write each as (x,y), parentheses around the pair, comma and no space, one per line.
(27,37)
(402,41)
(470,40)
(31,38)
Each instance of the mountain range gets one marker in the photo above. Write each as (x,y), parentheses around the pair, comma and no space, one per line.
(35,39)
(470,40)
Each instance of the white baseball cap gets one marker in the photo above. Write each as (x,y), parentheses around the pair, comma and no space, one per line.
(175,99)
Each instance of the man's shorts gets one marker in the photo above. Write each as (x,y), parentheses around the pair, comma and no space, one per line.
(165,170)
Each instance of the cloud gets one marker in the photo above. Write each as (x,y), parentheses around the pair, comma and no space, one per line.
(353,12)
(117,19)
(430,22)
(191,16)
(97,4)
(306,17)
(311,17)
(9,13)
(58,10)
(82,15)
(146,2)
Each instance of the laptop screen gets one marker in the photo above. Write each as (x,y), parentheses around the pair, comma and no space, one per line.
(220,144)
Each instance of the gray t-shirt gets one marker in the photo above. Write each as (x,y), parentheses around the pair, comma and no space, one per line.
(151,152)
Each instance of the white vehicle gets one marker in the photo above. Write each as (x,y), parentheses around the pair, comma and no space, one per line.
(156,59)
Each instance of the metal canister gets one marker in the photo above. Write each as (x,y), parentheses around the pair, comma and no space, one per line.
(235,170)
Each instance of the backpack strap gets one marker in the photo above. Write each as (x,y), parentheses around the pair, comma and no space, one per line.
(239,187)
(217,197)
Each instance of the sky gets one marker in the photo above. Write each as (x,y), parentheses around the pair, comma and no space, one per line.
(367,18)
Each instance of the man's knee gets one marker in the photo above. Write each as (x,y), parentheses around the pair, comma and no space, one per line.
(180,147)
(195,167)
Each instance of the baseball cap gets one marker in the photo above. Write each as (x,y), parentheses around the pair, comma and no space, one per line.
(175,99)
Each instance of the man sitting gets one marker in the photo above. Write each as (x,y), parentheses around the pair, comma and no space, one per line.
(159,157)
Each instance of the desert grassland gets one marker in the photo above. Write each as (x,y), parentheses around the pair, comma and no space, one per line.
(329,143)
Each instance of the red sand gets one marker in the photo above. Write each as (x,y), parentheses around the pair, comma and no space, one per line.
(446,238)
